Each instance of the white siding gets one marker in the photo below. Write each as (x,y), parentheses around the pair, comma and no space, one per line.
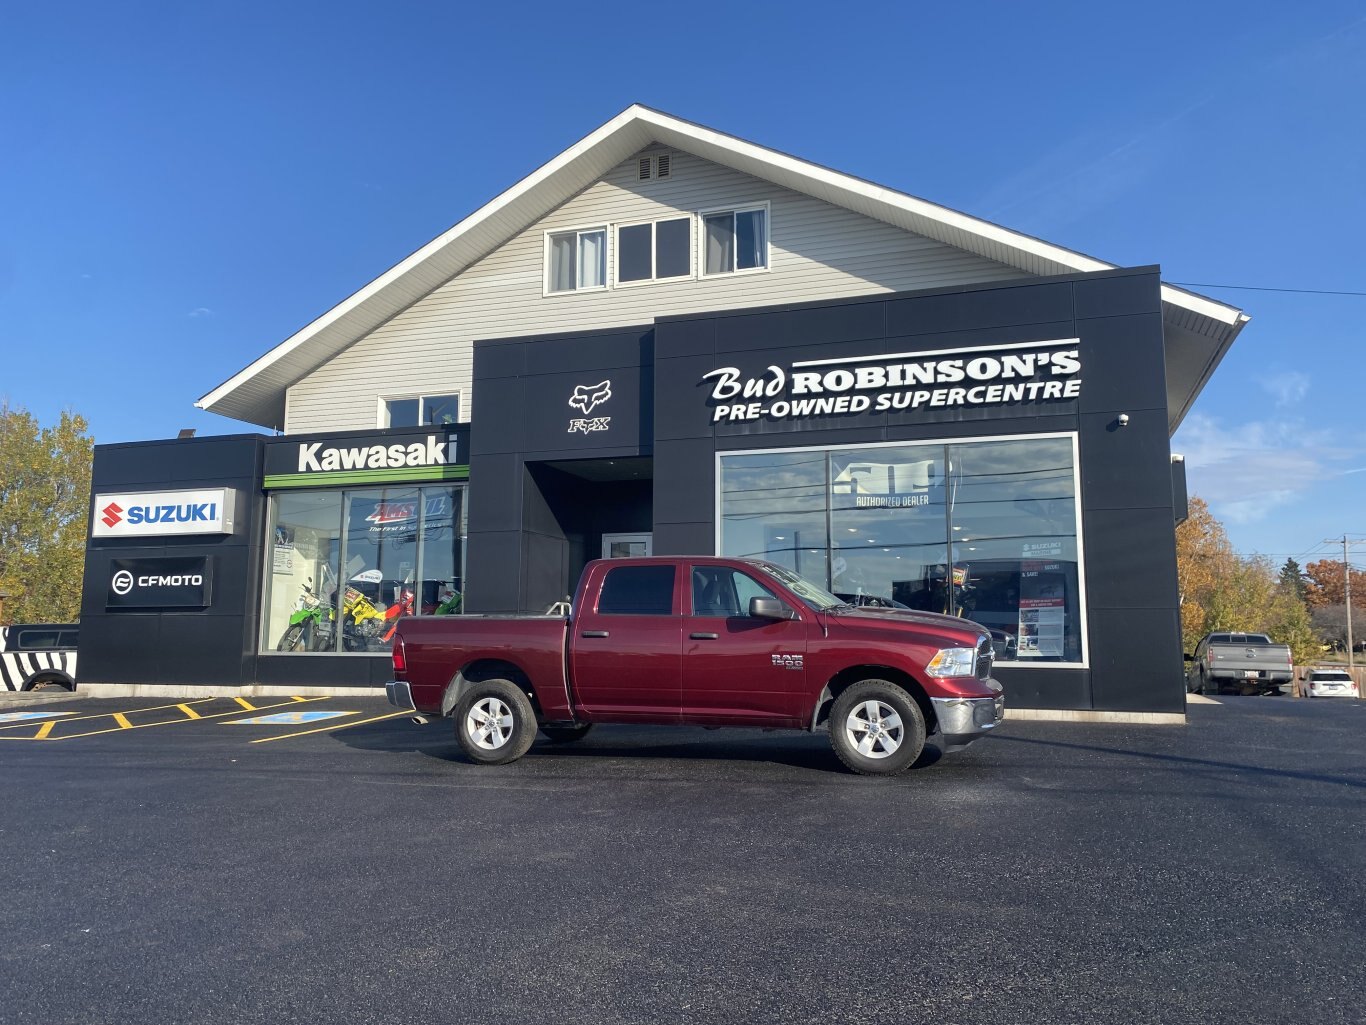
(817,251)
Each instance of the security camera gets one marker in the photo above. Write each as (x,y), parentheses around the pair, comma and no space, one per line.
(1123,419)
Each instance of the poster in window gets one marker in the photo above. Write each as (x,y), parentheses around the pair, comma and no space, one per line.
(1043,610)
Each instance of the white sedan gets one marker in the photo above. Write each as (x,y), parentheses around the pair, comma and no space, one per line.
(1329,683)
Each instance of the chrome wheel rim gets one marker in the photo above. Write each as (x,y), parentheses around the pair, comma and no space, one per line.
(874,729)
(489,723)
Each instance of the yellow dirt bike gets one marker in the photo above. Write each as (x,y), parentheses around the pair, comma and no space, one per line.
(362,621)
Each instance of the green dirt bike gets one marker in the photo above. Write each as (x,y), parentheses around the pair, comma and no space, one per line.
(310,625)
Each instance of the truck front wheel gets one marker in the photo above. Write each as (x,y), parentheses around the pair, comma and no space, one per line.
(494,722)
(876,728)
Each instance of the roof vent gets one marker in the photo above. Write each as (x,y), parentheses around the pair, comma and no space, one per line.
(655,167)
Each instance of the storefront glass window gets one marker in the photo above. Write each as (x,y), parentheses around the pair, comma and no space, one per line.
(347,566)
(302,571)
(983,530)
(773,506)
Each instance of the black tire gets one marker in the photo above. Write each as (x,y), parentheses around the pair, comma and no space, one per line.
(292,639)
(505,742)
(908,736)
(566,734)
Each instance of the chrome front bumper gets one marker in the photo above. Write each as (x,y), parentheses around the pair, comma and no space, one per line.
(398,694)
(963,720)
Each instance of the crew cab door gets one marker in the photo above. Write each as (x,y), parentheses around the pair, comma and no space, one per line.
(739,668)
(626,651)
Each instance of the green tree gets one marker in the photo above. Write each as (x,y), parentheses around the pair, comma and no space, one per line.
(44,503)
(1292,578)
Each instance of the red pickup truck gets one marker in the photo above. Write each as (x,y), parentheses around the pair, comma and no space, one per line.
(703,641)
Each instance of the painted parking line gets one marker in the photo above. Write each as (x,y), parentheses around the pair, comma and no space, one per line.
(23,716)
(106,715)
(124,724)
(286,718)
(335,726)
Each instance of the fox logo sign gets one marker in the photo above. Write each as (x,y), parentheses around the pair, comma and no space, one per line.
(587,397)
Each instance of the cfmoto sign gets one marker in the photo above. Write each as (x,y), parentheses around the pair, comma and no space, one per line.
(161,513)
(179,582)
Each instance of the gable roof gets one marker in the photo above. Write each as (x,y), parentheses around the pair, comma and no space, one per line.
(1204,327)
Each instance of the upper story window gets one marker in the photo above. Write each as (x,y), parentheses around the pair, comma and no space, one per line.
(649,252)
(576,260)
(735,240)
(420,410)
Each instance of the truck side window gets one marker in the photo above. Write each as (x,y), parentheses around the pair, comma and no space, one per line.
(722,591)
(637,591)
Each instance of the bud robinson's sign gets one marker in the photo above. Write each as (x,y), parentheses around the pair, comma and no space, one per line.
(983,375)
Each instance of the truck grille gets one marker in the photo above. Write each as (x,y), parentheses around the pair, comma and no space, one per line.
(986,655)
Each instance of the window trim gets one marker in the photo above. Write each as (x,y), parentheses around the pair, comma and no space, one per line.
(734,208)
(382,412)
(1083,603)
(603,226)
(620,564)
(693,222)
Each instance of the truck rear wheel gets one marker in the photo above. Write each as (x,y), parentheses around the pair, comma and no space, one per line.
(494,722)
(876,728)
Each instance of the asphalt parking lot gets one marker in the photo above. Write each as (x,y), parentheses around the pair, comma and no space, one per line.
(197,868)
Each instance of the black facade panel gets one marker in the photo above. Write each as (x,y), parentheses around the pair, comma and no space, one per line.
(1125,467)
(1124,368)
(1115,296)
(1004,305)
(1131,562)
(589,352)
(545,569)
(789,329)
(687,492)
(213,644)
(503,430)
(685,538)
(676,408)
(332,671)
(493,568)
(500,359)
(1180,496)
(1131,665)
(1045,688)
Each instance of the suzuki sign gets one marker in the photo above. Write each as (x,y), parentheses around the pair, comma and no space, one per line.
(161,513)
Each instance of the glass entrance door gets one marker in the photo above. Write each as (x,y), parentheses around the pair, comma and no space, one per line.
(626,546)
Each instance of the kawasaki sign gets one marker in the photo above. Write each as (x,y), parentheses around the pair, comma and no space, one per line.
(407,456)
(160,513)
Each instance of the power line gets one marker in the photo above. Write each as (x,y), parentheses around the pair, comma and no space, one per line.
(1260,288)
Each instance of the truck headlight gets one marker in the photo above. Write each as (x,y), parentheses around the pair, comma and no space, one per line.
(953,662)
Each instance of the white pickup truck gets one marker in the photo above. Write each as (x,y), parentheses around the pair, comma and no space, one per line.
(38,656)
(1240,664)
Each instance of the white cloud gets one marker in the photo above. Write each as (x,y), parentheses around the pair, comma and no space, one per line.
(1286,387)
(1248,470)
(200,311)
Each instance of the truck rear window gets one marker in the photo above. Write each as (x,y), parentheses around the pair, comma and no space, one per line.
(637,591)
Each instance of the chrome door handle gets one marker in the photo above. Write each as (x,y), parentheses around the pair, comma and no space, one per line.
(703,637)
(593,633)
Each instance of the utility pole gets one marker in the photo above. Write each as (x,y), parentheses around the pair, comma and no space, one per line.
(1347,591)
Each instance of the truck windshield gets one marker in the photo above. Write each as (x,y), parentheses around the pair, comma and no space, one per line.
(817,597)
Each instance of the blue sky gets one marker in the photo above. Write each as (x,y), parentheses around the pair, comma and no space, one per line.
(183,187)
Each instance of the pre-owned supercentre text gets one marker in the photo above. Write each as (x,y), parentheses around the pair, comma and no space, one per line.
(1036,371)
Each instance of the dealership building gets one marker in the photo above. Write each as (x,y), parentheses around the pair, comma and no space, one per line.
(668,340)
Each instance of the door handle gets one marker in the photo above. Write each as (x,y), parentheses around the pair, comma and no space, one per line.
(593,633)
(703,637)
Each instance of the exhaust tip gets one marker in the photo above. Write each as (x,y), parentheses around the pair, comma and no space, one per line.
(420,720)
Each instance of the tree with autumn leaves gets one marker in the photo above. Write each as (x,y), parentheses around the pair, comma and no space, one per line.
(44,503)
(1222,590)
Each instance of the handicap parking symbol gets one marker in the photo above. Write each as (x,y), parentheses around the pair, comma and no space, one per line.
(286,718)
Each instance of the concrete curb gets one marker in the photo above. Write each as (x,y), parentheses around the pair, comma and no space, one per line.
(39,697)
(1073,715)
